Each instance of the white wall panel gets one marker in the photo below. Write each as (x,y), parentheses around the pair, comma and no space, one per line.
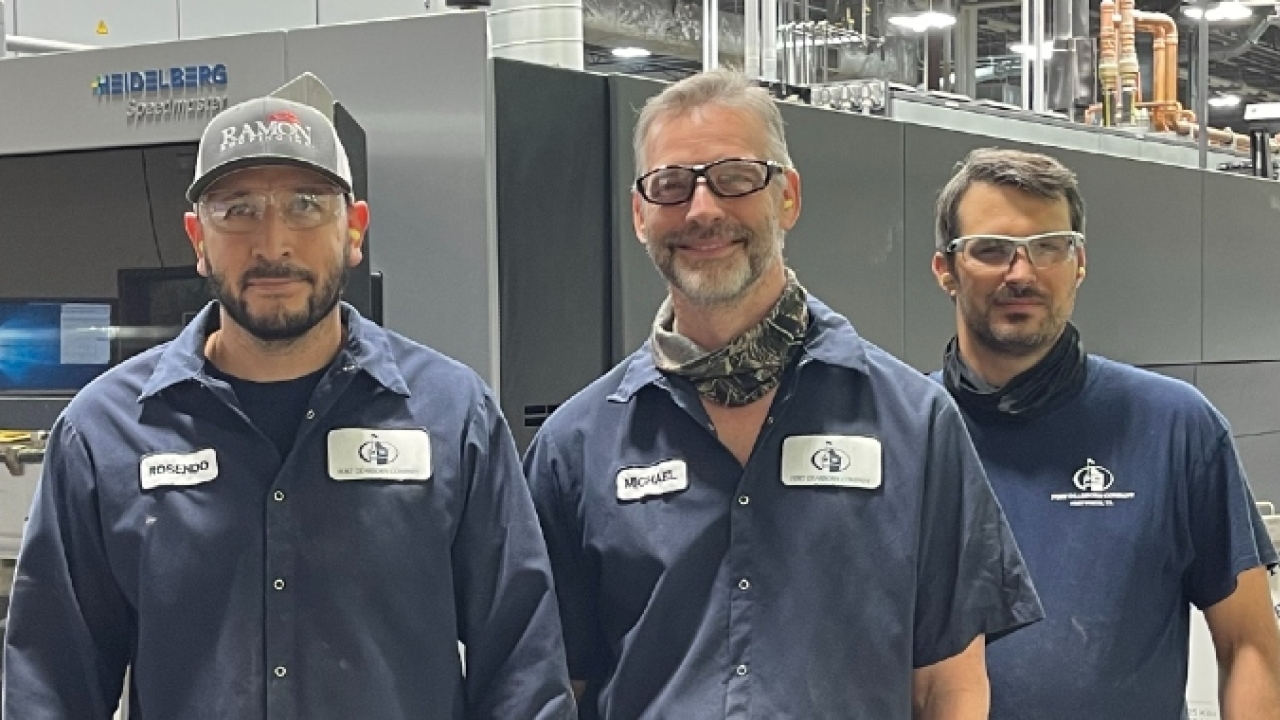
(202,18)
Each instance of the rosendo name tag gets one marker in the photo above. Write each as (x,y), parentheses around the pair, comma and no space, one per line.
(850,461)
(178,469)
(661,479)
(373,454)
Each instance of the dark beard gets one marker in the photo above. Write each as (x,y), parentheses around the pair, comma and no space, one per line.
(281,326)
(1021,345)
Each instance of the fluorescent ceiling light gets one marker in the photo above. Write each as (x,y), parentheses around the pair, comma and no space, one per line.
(1220,12)
(924,22)
(630,52)
(1024,49)
(1224,101)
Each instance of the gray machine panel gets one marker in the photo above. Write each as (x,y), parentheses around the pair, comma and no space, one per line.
(52,251)
(1141,216)
(49,104)
(1247,393)
(637,287)
(1241,255)
(421,88)
(1185,373)
(554,213)
(1260,456)
(847,248)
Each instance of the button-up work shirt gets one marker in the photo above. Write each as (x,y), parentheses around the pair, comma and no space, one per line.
(860,541)
(169,534)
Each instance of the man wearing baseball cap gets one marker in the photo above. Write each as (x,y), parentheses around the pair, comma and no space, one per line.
(287,512)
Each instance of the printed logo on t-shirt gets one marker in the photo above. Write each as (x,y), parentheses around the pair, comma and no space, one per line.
(1093,488)
(375,454)
(178,469)
(641,482)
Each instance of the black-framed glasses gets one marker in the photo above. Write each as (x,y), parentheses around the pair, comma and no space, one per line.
(245,211)
(728,178)
(997,251)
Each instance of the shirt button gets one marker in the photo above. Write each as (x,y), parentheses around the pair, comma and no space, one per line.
(742,670)
(768,420)
(279,584)
(743,584)
(281,672)
(744,500)
(311,414)
(278,496)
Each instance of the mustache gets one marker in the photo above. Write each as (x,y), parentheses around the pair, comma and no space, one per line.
(719,230)
(1018,292)
(275,271)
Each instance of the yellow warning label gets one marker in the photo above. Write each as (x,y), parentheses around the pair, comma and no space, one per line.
(102,27)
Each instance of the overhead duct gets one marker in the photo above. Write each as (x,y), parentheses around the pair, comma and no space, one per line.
(661,26)
(1247,38)
(675,29)
(1071,78)
(548,32)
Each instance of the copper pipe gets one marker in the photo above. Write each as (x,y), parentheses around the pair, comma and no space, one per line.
(1221,137)
(1108,65)
(1128,61)
(1164,47)
(1091,112)
(1164,115)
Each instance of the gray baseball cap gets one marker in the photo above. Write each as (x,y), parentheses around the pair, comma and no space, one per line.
(269,131)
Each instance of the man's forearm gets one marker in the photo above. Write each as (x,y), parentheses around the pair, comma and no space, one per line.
(1249,687)
(959,704)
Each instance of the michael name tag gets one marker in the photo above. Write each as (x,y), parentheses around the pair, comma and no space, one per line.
(373,454)
(850,461)
(642,482)
(178,469)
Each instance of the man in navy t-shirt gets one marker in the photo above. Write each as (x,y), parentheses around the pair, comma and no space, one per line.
(1123,487)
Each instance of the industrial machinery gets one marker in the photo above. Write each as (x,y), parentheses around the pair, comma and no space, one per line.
(1264,122)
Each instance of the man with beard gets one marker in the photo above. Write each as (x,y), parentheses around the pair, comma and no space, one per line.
(287,512)
(759,514)
(1122,486)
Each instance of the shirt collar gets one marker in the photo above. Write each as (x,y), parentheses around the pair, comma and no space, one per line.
(830,339)
(367,347)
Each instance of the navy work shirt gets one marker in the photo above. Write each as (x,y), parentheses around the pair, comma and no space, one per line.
(860,542)
(1130,504)
(168,533)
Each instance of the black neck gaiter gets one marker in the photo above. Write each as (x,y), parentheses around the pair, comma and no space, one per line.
(1045,387)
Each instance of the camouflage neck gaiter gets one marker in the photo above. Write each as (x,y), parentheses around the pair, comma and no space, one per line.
(748,367)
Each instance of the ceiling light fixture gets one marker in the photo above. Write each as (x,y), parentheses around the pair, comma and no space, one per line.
(629,53)
(1220,11)
(924,21)
(1224,101)
(1024,49)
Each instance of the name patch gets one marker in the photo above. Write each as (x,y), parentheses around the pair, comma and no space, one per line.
(850,461)
(642,482)
(373,454)
(178,469)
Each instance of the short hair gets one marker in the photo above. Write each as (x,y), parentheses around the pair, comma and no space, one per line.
(719,87)
(1029,172)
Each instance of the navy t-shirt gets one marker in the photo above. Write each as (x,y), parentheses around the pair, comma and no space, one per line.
(1129,503)
(275,408)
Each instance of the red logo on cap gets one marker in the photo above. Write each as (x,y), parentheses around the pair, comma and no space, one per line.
(286,116)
